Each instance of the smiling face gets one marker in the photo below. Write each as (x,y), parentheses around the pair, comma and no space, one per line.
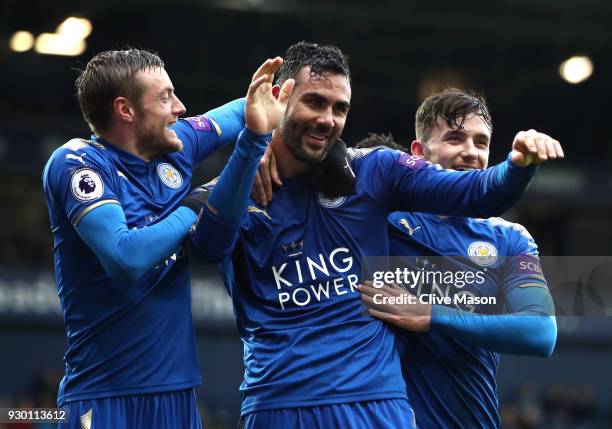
(316,114)
(157,109)
(457,148)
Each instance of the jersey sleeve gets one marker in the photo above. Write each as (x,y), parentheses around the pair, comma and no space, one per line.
(78,179)
(203,134)
(408,183)
(522,266)
(217,229)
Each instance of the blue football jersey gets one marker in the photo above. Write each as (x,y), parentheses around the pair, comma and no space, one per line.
(123,338)
(293,272)
(452,383)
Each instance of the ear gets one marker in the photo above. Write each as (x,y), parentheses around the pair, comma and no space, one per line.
(276,91)
(417,149)
(123,109)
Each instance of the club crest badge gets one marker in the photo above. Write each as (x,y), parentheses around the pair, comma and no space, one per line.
(169,175)
(330,203)
(482,253)
(86,185)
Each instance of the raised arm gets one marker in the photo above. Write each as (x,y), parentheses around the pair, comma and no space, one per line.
(217,229)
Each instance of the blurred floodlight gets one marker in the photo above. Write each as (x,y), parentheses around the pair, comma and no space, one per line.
(75,28)
(58,44)
(576,69)
(22,41)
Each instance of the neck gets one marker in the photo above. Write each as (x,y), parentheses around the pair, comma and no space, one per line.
(287,164)
(126,141)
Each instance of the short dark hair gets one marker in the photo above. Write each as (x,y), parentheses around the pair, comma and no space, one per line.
(376,140)
(322,59)
(451,105)
(108,75)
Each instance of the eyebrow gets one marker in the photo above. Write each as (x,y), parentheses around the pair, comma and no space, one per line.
(313,94)
(461,132)
(168,89)
(454,133)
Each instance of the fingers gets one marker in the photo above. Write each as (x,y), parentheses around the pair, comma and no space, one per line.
(264,173)
(255,85)
(269,67)
(285,91)
(375,304)
(381,315)
(273,170)
(558,149)
(368,289)
(541,149)
(532,147)
(258,193)
(550,149)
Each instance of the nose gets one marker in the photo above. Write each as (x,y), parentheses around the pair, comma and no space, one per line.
(178,108)
(326,118)
(469,150)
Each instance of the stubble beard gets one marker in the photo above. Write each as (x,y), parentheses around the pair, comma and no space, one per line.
(156,143)
(295,145)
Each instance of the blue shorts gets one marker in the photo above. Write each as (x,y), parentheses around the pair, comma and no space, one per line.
(386,413)
(168,410)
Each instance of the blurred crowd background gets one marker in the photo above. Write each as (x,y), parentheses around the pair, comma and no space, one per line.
(514,52)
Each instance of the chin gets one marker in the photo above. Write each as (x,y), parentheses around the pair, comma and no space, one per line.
(175,146)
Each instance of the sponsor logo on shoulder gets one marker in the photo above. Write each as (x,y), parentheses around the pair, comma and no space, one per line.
(482,253)
(86,185)
(411,161)
(199,123)
(169,175)
(330,203)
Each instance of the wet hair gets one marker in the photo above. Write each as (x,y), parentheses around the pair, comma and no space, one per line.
(377,140)
(452,106)
(322,59)
(108,75)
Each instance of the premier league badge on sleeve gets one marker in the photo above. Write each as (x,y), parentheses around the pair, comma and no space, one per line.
(169,175)
(86,185)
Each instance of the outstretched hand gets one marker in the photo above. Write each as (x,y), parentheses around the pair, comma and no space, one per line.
(264,111)
(393,304)
(532,147)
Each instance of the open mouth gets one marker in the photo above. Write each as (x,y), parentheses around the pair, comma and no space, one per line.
(318,137)
(465,168)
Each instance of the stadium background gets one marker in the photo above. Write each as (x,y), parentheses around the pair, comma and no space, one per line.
(399,52)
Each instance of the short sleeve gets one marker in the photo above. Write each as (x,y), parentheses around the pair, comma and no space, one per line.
(78,179)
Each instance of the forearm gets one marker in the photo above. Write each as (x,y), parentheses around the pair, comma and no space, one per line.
(230,196)
(229,118)
(475,194)
(126,254)
(526,332)
(217,228)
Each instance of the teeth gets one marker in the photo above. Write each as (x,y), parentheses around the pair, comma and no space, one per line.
(465,169)
(316,137)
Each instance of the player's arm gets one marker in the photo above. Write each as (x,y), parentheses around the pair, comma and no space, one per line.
(80,183)
(126,254)
(203,134)
(229,120)
(218,226)
(528,329)
(415,185)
